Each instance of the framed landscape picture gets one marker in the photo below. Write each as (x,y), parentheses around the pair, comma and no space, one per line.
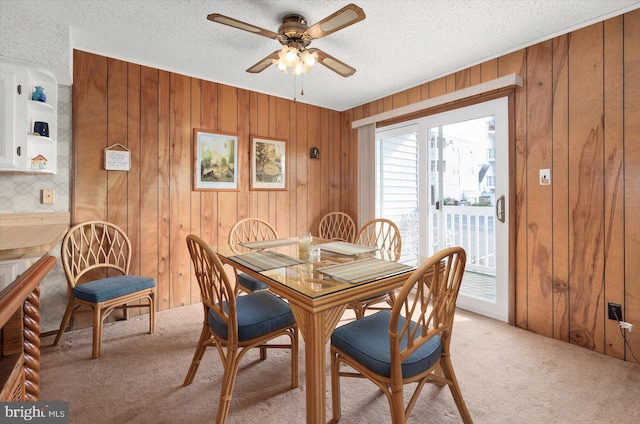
(215,157)
(268,164)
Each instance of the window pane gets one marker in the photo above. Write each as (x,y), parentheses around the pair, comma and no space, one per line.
(397,186)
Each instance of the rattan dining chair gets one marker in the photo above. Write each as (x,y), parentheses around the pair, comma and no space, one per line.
(234,324)
(247,230)
(410,343)
(385,235)
(337,226)
(96,256)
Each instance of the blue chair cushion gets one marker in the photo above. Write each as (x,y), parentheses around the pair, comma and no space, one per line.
(367,341)
(259,313)
(251,283)
(112,287)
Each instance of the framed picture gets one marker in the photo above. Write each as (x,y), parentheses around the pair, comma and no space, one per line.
(268,164)
(215,160)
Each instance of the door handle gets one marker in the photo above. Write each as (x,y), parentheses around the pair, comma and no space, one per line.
(500,209)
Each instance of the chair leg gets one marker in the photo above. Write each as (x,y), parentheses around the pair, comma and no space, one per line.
(228,381)
(152,314)
(397,406)
(97,332)
(447,369)
(197,355)
(65,321)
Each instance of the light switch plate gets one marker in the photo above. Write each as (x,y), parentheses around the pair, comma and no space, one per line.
(545,176)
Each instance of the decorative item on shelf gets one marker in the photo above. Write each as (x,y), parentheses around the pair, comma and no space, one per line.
(41,128)
(39,162)
(39,95)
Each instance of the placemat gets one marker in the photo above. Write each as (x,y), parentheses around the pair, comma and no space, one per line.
(265,244)
(262,261)
(364,270)
(345,248)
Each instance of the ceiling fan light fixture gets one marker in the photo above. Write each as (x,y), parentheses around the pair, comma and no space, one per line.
(308,58)
(296,59)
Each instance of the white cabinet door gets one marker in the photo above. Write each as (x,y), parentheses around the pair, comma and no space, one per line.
(13,109)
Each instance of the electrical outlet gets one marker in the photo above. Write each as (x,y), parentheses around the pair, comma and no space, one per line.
(48,196)
(615,312)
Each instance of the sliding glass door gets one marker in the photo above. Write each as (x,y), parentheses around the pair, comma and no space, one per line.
(444,180)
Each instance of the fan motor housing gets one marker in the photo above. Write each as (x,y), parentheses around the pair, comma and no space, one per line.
(293,29)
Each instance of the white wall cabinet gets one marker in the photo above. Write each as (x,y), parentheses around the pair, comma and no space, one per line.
(21,148)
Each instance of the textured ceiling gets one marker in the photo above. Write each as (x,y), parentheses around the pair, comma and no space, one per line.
(399,45)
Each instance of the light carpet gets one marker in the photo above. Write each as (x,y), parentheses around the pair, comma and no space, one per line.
(507,375)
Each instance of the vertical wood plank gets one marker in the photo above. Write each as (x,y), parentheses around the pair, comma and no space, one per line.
(560,187)
(227,122)
(133,176)
(89,137)
(180,199)
(632,176)
(437,87)
(209,199)
(117,133)
(539,197)
(614,231)
(149,207)
(263,115)
(489,70)
(164,198)
(299,223)
(586,188)
(283,208)
(195,208)
(314,174)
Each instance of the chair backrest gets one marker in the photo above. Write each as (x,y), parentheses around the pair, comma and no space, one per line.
(250,229)
(383,234)
(428,301)
(337,226)
(93,249)
(216,291)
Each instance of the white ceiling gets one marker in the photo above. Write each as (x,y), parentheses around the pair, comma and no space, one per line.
(400,44)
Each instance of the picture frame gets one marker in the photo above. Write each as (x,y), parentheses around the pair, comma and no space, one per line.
(268,164)
(215,160)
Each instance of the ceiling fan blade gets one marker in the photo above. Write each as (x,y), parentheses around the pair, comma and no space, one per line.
(264,63)
(334,64)
(348,15)
(225,20)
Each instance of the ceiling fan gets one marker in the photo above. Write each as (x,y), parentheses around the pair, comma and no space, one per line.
(295,36)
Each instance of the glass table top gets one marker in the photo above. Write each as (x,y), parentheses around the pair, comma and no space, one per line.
(331,272)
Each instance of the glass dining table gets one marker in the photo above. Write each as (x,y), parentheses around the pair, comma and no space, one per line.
(318,290)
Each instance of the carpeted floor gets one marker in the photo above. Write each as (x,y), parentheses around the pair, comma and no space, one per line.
(507,375)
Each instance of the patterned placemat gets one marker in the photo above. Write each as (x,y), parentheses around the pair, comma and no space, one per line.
(364,270)
(345,248)
(265,244)
(262,261)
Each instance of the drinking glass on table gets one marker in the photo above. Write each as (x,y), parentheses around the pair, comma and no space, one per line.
(304,245)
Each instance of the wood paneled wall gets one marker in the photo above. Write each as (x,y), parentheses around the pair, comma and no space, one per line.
(153,113)
(577,113)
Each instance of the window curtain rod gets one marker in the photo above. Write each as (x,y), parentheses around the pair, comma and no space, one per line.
(482,88)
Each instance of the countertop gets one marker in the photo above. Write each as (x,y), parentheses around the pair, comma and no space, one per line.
(31,234)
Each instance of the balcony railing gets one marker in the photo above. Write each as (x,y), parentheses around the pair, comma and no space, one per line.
(473,228)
